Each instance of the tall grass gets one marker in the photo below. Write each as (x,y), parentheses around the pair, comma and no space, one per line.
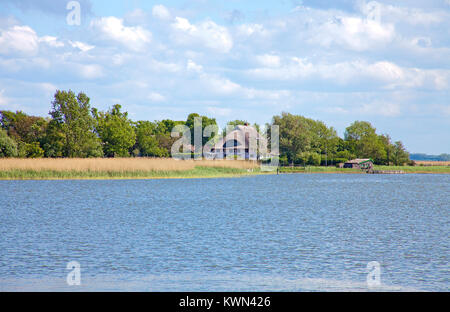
(90,168)
(431,163)
(416,169)
(118,164)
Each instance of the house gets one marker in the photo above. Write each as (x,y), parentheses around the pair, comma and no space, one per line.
(242,142)
(366,163)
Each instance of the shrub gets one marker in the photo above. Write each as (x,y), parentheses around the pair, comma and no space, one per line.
(8,147)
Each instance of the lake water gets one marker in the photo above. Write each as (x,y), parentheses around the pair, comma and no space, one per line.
(297,232)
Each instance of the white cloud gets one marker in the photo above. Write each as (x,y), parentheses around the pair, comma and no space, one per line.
(397,14)
(161,12)
(91,71)
(20,40)
(248,30)
(134,38)
(268,60)
(387,109)
(221,85)
(206,33)
(156,97)
(218,111)
(353,33)
(385,74)
(191,66)
(52,41)
(84,47)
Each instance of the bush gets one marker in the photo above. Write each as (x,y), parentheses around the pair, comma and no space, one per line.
(314,159)
(8,147)
(34,150)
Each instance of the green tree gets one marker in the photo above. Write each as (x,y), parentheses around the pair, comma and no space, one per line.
(147,140)
(54,140)
(27,131)
(73,115)
(300,135)
(116,131)
(364,142)
(8,147)
(205,123)
(388,147)
(34,150)
(399,156)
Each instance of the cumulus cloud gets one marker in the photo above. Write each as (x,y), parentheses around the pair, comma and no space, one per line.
(161,12)
(156,97)
(134,38)
(206,33)
(89,71)
(354,33)
(268,60)
(385,74)
(84,47)
(247,30)
(21,40)
(52,41)
(192,66)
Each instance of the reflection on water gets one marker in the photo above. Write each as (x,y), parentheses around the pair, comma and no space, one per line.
(264,233)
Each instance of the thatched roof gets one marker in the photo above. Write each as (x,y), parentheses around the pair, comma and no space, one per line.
(242,137)
(358,161)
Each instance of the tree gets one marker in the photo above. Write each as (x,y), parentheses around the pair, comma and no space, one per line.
(34,150)
(300,135)
(205,123)
(116,131)
(399,156)
(388,147)
(8,148)
(73,116)
(364,142)
(27,131)
(54,140)
(147,141)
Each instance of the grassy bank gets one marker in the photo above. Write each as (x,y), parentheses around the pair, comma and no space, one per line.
(121,168)
(405,169)
(197,172)
(417,169)
(154,168)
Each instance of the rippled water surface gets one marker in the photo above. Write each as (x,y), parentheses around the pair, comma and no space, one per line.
(289,232)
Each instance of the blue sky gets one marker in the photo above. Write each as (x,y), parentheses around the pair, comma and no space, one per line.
(387,62)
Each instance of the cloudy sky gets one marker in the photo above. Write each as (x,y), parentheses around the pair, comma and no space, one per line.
(387,62)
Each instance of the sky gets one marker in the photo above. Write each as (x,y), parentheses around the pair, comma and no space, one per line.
(386,62)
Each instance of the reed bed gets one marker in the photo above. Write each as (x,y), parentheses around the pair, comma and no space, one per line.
(118,164)
(432,163)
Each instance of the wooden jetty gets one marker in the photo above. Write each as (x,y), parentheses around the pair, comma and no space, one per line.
(385,171)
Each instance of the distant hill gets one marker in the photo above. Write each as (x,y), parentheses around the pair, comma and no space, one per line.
(442,157)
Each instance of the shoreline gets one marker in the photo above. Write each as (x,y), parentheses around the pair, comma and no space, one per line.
(34,176)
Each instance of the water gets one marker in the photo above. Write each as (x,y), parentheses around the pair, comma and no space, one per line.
(295,232)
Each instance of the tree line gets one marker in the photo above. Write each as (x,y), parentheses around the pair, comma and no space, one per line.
(75,129)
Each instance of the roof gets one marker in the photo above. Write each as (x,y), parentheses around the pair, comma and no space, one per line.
(359,161)
(241,137)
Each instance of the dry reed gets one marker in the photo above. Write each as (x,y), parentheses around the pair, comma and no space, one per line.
(118,164)
(432,163)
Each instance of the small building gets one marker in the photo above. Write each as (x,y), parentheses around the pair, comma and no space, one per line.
(365,163)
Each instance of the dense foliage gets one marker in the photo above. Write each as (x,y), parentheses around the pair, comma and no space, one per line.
(74,129)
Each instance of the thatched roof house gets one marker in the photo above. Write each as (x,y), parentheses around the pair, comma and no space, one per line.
(242,142)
